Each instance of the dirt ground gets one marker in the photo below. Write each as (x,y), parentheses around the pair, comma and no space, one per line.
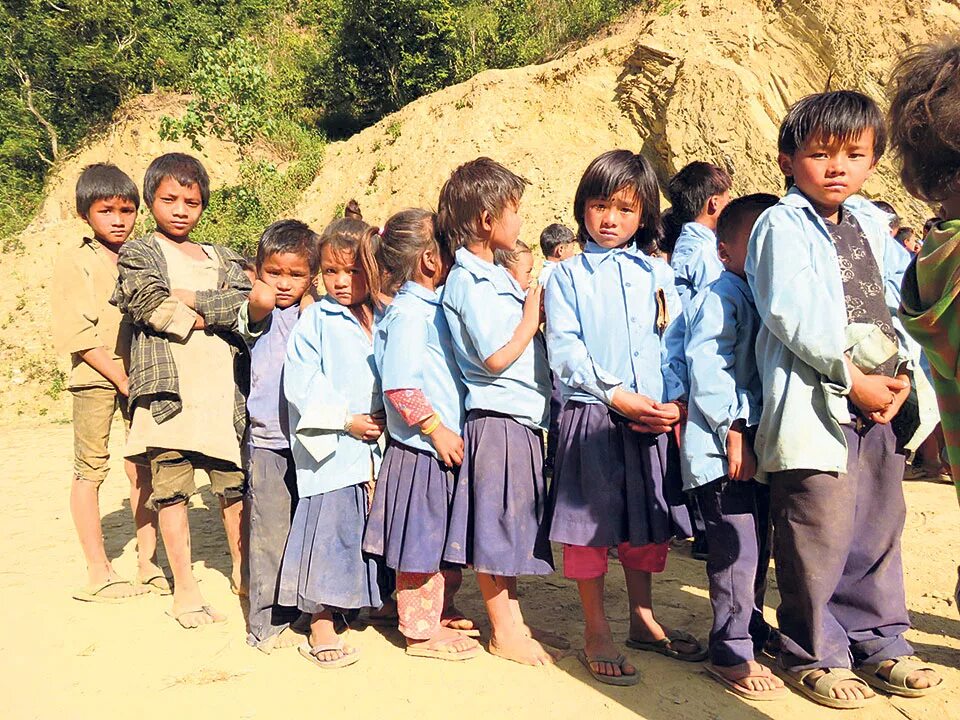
(60,658)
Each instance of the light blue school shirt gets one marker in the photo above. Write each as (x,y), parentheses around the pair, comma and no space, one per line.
(721,329)
(793,273)
(695,261)
(483,305)
(545,271)
(328,373)
(413,349)
(602,326)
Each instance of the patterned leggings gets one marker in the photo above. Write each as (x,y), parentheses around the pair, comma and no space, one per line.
(423,598)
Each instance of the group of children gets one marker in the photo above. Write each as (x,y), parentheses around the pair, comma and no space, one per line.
(384,431)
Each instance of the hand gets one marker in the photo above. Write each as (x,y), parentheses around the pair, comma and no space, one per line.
(367,427)
(199,323)
(876,393)
(262,300)
(741,460)
(187,297)
(448,444)
(123,386)
(533,307)
(885,416)
(647,415)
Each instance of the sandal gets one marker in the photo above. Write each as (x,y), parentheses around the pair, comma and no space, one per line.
(735,687)
(447,621)
(205,609)
(821,692)
(621,680)
(107,592)
(157,584)
(437,653)
(902,668)
(345,659)
(664,646)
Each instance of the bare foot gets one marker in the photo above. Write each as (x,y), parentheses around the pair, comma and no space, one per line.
(657,632)
(322,637)
(750,675)
(196,617)
(152,576)
(852,689)
(286,638)
(446,640)
(917,680)
(456,620)
(519,648)
(603,646)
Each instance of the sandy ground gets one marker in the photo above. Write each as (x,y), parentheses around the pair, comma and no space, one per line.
(60,658)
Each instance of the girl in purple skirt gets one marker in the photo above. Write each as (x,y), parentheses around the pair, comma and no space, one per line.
(618,353)
(418,522)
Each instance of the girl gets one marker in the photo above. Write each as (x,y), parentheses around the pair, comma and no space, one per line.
(412,525)
(336,419)
(615,349)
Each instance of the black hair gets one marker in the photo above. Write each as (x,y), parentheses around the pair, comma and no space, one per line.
(611,172)
(510,258)
(929,223)
(671,226)
(183,168)
(743,209)
(352,210)
(553,236)
(889,210)
(102,181)
(691,188)
(406,236)
(361,240)
(904,234)
(839,115)
(481,185)
(290,236)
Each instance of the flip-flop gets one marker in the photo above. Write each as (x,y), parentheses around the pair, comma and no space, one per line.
(820,693)
(345,659)
(95,592)
(437,654)
(158,584)
(205,609)
(735,687)
(473,631)
(619,660)
(897,684)
(664,646)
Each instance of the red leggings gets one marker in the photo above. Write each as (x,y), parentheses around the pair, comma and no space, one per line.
(589,563)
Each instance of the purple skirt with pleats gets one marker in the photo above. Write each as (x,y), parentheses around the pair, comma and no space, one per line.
(503,470)
(412,524)
(613,485)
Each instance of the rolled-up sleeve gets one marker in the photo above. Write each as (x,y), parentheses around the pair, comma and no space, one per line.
(74,309)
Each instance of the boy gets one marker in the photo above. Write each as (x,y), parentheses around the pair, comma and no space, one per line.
(188,408)
(557,243)
(834,374)
(287,263)
(698,193)
(519,263)
(717,459)
(97,338)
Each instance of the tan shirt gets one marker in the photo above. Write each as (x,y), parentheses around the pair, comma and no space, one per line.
(83,318)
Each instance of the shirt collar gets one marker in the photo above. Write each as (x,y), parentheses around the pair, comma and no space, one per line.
(417,290)
(699,231)
(739,283)
(482,270)
(594,254)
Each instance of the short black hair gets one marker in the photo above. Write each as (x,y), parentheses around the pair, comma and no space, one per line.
(696,183)
(183,168)
(474,187)
(102,181)
(840,115)
(553,236)
(290,236)
(746,208)
(670,228)
(612,172)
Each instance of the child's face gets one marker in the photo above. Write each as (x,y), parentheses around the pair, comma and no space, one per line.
(828,172)
(612,221)
(522,270)
(733,247)
(112,219)
(176,208)
(343,278)
(502,232)
(566,250)
(289,275)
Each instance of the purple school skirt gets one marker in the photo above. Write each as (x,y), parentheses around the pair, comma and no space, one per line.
(411,523)
(613,485)
(503,469)
(323,565)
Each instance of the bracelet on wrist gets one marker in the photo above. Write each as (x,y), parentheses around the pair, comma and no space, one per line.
(431,426)
(348,423)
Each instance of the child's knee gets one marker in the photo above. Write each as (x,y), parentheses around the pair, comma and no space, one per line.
(172,479)
(584,563)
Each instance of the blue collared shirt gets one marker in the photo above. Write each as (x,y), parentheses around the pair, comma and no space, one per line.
(602,326)
(328,373)
(545,271)
(413,350)
(721,329)
(793,272)
(695,261)
(483,305)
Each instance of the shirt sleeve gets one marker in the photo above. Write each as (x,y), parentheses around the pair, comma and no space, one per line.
(250,331)
(404,347)
(896,260)
(411,403)
(220,307)
(711,339)
(74,309)
(673,363)
(569,357)
(310,392)
(790,299)
(480,320)
(143,293)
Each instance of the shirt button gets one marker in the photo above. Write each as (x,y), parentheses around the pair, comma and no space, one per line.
(636,354)
(633,319)
(626,284)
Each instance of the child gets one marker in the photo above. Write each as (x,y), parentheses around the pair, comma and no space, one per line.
(718,462)
(924,124)
(614,347)
(503,361)
(97,338)
(834,374)
(519,263)
(336,420)
(418,522)
(557,243)
(286,265)
(188,408)
(698,193)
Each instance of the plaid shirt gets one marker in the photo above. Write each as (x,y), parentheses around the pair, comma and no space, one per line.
(142,286)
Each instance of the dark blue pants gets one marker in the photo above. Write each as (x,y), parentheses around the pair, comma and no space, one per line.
(737,520)
(837,549)
(271,500)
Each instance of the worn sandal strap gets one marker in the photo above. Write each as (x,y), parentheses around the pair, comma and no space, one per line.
(682,636)
(831,678)
(902,668)
(330,647)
